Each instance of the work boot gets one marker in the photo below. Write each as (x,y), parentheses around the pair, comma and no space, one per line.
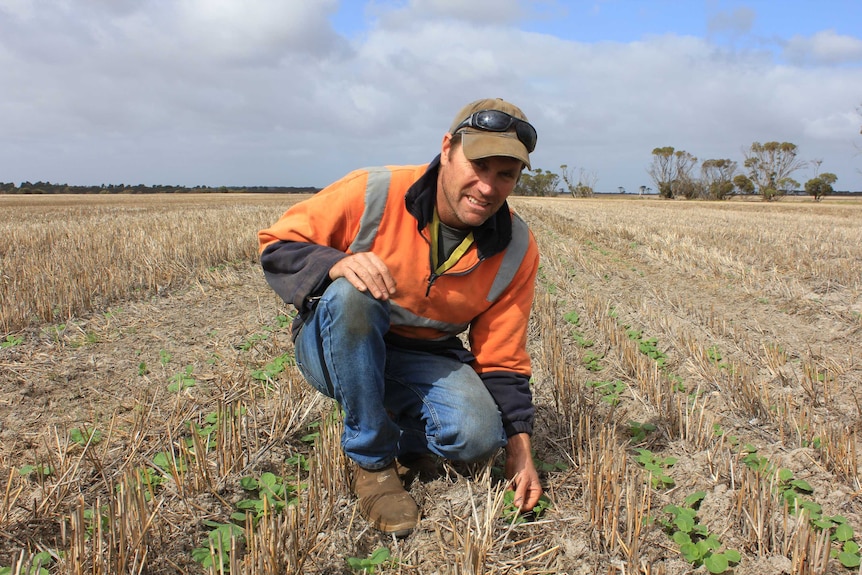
(422,466)
(384,502)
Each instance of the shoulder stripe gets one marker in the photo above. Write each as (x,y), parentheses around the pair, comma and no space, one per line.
(515,252)
(376,194)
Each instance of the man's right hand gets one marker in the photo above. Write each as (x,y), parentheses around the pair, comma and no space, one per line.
(367,273)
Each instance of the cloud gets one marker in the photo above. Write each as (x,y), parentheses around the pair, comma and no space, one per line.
(738,22)
(824,47)
(266,92)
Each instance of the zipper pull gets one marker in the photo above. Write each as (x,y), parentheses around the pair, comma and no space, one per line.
(431,281)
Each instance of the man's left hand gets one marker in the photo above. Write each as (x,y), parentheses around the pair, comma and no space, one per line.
(521,470)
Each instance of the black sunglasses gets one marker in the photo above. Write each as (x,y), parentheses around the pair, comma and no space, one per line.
(497,121)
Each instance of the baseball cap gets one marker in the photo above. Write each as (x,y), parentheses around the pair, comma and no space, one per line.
(480,143)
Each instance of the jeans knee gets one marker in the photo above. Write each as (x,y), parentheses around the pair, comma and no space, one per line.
(476,437)
(356,312)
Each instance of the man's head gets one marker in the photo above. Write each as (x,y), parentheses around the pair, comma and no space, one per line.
(494,127)
(481,160)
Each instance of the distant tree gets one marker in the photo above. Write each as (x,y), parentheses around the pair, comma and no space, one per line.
(585,185)
(671,171)
(685,184)
(743,185)
(540,183)
(770,166)
(717,177)
(662,170)
(821,185)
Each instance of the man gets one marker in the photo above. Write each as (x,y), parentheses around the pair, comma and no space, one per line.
(386,267)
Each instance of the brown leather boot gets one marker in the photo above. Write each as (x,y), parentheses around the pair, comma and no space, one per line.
(384,502)
(423,466)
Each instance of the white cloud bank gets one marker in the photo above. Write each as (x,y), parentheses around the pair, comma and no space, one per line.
(266,92)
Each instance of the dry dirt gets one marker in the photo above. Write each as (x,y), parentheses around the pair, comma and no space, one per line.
(111,370)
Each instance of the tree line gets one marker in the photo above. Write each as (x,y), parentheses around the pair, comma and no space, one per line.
(49,188)
(767,170)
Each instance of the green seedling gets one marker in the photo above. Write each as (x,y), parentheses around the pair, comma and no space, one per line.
(696,544)
(182,380)
(513,515)
(312,436)
(11,341)
(147,478)
(273,495)
(714,356)
(39,470)
(90,519)
(252,341)
(791,488)
(609,390)
(85,436)
(273,368)
(216,556)
(38,563)
(591,361)
(581,340)
(164,357)
(55,331)
(548,467)
(369,564)
(648,347)
(283,321)
(298,461)
(656,467)
(754,461)
(572,317)
(848,551)
(639,431)
(167,462)
(142,369)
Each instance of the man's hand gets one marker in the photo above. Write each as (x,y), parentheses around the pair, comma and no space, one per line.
(367,273)
(521,470)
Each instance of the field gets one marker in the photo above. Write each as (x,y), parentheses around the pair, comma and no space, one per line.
(697,376)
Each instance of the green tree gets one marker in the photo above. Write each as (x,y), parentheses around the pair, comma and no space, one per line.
(717,177)
(821,185)
(671,172)
(538,184)
(743,184)
(770,166)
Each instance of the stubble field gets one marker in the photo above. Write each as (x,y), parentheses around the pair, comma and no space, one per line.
(696,374)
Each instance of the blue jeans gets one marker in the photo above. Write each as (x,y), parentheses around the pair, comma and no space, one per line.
(396,402)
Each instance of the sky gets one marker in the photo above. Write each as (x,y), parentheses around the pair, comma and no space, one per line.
(300,92)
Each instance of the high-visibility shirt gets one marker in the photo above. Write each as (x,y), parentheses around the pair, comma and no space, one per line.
(488,292)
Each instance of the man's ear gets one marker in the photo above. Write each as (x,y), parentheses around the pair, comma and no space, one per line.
(445,148)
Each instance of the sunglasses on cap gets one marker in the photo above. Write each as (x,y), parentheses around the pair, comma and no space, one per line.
(497,121)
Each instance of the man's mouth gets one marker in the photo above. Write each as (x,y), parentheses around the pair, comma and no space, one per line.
(478,203)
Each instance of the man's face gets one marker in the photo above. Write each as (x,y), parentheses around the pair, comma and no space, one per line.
(470,192)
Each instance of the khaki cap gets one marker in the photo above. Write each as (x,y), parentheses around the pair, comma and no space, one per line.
(479,144)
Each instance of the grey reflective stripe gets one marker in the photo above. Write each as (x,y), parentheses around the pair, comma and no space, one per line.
(376,194)
(401,316)
(515,252)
